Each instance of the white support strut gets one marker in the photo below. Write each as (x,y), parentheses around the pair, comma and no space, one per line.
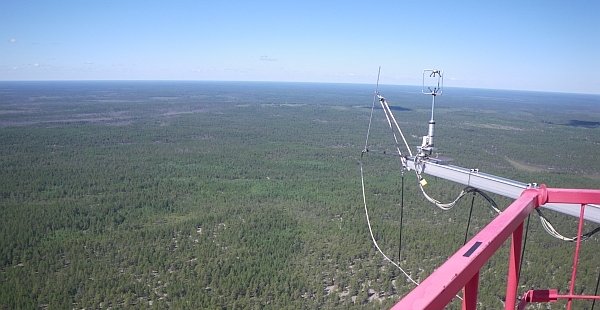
(494,184)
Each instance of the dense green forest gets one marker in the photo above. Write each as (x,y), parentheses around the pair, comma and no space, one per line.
(247,195)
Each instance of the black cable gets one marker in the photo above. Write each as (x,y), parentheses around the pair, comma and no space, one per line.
(596,290)
(484,195)
(523,249)
(401,219)
(469,221)
(589,234)
(584,237)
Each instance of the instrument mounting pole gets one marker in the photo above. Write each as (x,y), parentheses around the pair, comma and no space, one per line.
(434,89)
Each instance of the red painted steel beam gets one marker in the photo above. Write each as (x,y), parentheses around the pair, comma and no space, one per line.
(470,293)
(550,295)
(577,297)
(514,263)
(539,296)
(441,286)
(576,257)
(574,196)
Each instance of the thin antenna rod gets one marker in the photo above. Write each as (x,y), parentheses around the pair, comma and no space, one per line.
(366,149)
(401,220)
(377,87)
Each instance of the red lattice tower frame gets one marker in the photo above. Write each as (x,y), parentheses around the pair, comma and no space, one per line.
(461,270)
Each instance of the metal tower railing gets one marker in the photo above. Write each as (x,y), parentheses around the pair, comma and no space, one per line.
(461,270)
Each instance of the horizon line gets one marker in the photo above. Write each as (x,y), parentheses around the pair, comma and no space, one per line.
(293,82)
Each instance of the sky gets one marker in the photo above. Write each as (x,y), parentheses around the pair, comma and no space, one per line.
(526,45)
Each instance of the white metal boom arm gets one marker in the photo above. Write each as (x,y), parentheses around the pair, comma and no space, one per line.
(494,184)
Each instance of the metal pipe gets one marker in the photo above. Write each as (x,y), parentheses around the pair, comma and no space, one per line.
(470,293)
(514,261)
(576,257)
(559,200)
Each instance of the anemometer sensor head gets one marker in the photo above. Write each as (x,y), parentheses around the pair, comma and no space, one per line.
(433,82)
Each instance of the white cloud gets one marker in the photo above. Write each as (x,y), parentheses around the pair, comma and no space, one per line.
(12,40)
